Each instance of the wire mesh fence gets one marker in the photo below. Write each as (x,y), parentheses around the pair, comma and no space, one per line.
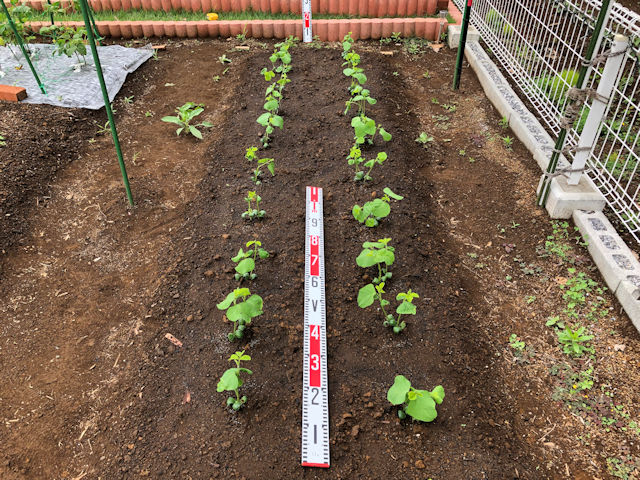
(541,45)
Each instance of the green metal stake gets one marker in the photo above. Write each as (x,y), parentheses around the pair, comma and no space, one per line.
(22,48)
(544,190)
(105,95)
(95,27)
(50,13)
(463,41)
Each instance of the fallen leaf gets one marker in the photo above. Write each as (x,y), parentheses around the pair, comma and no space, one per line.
(437,47)
(561,280)
(619,348)
(173,340)
(187,397)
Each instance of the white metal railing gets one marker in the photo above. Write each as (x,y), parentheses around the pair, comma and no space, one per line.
(541,45)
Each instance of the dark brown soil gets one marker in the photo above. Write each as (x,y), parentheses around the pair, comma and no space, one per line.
(94,390)
(34,152)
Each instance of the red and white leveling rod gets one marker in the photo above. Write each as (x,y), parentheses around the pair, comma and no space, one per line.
(315,388)
(307,32)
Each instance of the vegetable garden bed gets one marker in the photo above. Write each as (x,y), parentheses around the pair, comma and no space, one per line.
(95,389)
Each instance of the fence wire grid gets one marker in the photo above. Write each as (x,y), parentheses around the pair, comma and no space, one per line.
(541,45)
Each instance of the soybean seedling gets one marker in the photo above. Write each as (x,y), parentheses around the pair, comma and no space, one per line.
(224,59)
(361,97)
(231,381)
(369,293)
(365,130)
(378,253)
(251,212)
(186,114)
(424,139)
(418,404)
(261,162)
(241,307)
(372,212)
(247,260)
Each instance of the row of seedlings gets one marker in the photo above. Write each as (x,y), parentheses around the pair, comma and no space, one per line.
(241,306)
(380,255)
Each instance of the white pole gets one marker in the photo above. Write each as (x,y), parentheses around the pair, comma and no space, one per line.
(307,32)
(598,107)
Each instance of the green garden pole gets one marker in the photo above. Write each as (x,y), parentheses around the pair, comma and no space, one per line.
(105,95)
(22,48)
(463,41)
(51,13)
(543,193)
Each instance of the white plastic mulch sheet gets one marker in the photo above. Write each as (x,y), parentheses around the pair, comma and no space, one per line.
(67,82)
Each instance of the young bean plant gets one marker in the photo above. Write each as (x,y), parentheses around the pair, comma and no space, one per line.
(261,162)
(365,130)
(369,293)
(246,261)
(231,381)
(241,307)
(186,114)
(418,404)
(356,159)
(379,254)
(372,212)
(253,213)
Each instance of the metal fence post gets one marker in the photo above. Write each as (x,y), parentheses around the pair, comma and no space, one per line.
(598,107)
(461,46)
(545,183)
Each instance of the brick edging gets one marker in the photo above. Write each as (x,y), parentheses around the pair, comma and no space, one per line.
(12,94)
(362,8)
(327,30)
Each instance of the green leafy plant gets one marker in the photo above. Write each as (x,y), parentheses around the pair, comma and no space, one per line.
(418,404)
(366,128)
(574,341)
(517,344)
(361,97)
(372,212)
(224,59)
(356,159)
(507,142)
(69,41)
(504,123)
(20,15)
(261,162)
(253,213)
(231,380)
(246,260)
(379,254)
(3,143)
(241,307)
(424,139)
(186,114)
(370,293)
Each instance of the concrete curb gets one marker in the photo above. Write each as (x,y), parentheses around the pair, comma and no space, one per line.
(617,264)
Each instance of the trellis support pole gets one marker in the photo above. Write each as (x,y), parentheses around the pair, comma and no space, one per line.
(105,95)
(598,107)
(461,46)
(596,39)
(22,47)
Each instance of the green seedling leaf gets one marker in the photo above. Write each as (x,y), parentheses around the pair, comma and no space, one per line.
(366,296)
(264,119)
(245,266)
(246,310)
(397,394)
(389,192)
(423,408)
(406,308)
(230,381)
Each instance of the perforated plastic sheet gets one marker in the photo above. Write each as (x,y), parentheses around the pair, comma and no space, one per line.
(67,84)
